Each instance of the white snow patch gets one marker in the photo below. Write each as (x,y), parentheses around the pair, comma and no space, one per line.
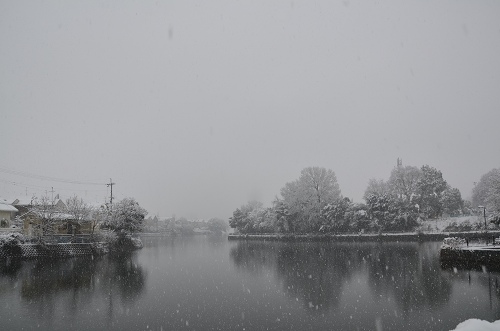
(438,225)
(475,324)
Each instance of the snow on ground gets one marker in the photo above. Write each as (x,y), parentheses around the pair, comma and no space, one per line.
(474,324)
(438,225)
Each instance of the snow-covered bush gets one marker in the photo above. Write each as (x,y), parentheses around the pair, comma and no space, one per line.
(126,217)
(9,243)
(13,238)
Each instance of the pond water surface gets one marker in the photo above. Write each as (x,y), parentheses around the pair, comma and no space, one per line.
(210,283)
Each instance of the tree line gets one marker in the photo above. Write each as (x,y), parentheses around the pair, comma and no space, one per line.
(314,204)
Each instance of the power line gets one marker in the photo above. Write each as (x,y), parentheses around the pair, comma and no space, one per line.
(22,184)
(47,187)
(36,190)
(40,177)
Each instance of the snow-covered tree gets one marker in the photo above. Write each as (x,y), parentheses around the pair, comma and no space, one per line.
(403,182)
(391,213)
(487,191)
(44,216)
(452,202)
(238,221)
(78,209)
(254,218)
(308,195)
(334,215)
(430,188)
(356,217)
(378,208)
(376,186)
(126,217)
(284,219)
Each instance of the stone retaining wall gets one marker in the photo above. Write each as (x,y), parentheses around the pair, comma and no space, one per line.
(419,237)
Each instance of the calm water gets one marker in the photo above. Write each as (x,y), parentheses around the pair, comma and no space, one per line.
(205,283)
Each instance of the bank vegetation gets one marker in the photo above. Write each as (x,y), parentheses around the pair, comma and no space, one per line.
(405,202)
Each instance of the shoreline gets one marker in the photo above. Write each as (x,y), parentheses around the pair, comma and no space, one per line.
(408,236)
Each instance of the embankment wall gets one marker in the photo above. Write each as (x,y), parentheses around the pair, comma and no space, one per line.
(30,251)
(367,237)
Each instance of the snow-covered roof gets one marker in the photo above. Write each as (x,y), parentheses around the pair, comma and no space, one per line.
(55,216)
(7,201)
(62,216)
(97,204)
(22,202)
(7,207)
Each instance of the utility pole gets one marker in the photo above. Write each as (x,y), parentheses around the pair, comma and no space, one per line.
(111,186)
(52,195)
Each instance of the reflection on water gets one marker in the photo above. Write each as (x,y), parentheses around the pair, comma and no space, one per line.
(316,272)
(405,279)
(208,283)
(414,281)
(60,289)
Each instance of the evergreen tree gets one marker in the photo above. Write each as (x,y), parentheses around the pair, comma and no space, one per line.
(452,202)
(430,188)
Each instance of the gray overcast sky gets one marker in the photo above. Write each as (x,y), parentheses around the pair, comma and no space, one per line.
(195,107)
